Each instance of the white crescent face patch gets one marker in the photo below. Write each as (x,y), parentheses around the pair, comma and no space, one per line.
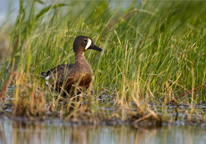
(89,42)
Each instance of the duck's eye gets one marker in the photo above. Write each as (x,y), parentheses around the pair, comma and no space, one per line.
(85,40)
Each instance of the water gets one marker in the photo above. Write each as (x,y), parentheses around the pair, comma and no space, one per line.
(54,130)
(51,133)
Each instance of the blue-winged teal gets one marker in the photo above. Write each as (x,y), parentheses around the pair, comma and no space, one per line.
(66,76)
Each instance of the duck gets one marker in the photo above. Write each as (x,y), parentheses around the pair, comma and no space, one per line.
(65,78)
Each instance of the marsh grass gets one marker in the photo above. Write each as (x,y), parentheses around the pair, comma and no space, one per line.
(152,52)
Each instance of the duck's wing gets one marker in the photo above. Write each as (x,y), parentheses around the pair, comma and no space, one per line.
(56,74)
(56,69)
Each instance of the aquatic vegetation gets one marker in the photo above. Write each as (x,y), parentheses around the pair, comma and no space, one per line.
(152,52)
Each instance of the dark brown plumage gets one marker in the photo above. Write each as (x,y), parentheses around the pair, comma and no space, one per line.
(66,76)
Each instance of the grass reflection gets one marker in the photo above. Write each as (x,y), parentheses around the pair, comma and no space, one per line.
(20,133)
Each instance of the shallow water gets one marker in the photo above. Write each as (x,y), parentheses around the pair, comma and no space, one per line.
(54,130)
(51,133)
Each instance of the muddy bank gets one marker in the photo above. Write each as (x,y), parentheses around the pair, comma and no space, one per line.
(175,116)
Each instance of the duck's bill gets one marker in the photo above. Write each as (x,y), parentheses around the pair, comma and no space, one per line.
(96,48)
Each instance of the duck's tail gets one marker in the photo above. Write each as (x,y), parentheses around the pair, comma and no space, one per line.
(44,74)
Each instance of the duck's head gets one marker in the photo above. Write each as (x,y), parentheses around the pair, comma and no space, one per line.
(83,43)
